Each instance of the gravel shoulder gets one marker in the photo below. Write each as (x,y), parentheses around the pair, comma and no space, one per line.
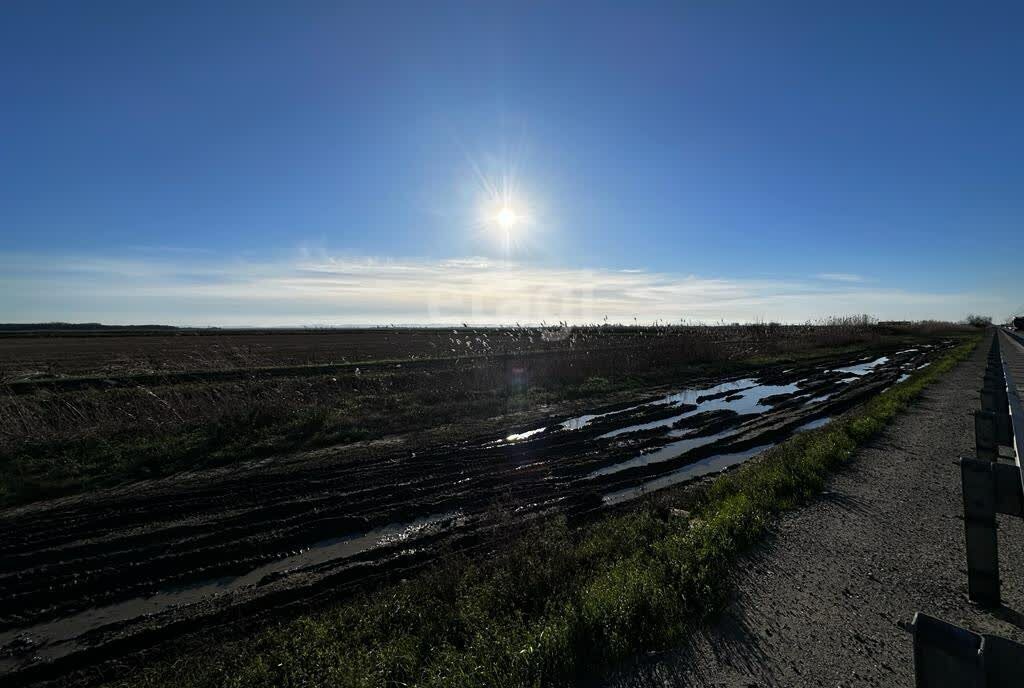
(828,599)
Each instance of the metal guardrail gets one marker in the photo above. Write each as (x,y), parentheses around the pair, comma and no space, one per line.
(1013,334)
(1016,409)
(989,486)
(946,655)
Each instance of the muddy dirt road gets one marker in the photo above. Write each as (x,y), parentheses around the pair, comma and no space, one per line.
(106,576)
(826,601)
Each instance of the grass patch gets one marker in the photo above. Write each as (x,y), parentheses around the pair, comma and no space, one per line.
(557,604)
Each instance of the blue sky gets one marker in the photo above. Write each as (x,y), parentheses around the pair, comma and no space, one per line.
(297,163)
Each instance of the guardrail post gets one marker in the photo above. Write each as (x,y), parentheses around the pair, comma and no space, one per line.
(985,435)
(988,399)
(1009,494)
(1003,660)
(979,494)
(946,656)
(993,400)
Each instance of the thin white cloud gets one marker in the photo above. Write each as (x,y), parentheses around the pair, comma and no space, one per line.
(839,277)
(323,289)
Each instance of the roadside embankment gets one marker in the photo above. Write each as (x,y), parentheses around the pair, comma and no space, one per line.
(826,599)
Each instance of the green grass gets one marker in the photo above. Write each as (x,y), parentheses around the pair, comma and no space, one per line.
(556,605)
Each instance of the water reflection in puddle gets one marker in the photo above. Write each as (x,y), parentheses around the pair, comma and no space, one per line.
(669,451)
(581,421)
(54,633)
(863,368)
(712,464)
(63,630)
(343,547)
(748,396)
(515,437)
(743,396)
(814,424)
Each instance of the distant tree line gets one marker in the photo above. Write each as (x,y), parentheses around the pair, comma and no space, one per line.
(51,326)
(978,320)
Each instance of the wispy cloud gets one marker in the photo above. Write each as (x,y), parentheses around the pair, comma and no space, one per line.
(839,277)
(322,289)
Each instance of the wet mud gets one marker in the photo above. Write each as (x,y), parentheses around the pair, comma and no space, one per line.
(90,580)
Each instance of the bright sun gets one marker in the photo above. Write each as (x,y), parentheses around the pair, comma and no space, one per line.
(506,217)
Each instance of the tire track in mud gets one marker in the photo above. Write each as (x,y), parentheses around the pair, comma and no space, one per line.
(105,575)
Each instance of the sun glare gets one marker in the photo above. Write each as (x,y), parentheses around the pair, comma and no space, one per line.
(506,217)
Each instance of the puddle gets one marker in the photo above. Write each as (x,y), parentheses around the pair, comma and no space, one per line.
(811,401)
(669,451)
(59,631)
(816,423)
(581,421)
(343,547)
(516,437)
(749,394)
(748,400)
(744,396)
(862,368)
(712,464)
(52,635)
